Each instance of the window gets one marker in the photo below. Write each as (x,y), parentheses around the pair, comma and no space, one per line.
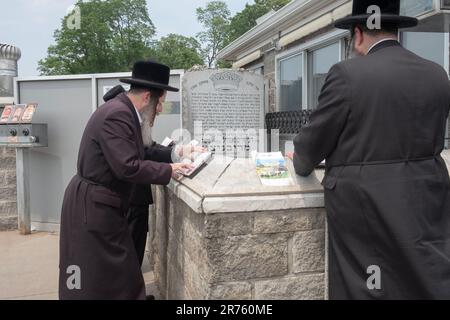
(415,8)
(172,104)
(302,70)
(291,83)
(320,63)
(428,45)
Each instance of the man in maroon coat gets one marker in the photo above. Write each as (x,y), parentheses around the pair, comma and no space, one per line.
(97,256)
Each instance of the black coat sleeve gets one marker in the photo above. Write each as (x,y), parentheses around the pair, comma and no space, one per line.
(158,153)
(317,140)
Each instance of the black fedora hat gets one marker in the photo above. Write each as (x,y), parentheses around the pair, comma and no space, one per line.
(390,15)
(150,74)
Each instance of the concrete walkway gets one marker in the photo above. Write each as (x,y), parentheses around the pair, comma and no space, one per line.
(29,267)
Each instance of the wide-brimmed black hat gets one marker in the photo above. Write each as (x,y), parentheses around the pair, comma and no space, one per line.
(390,15)
(150,74)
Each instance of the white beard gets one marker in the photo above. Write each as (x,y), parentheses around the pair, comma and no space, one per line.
(147,128)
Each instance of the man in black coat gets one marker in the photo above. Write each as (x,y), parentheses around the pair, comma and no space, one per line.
(98,259)
(380,125)
(141,196)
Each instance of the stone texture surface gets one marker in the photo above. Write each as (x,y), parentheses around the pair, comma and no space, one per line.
(160,244)
(222,225)
(224,190)
(8,187)
(8,222)
(196,286)
(238,256)
(290,220)
(309,251)
(265,254)
(269,77)
(216,205)
(196,250)
(231,291)
(301,287)
(221,109)
(245,257)
(176,287)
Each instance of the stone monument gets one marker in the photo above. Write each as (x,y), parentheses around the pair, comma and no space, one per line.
(224,235)
(223,108)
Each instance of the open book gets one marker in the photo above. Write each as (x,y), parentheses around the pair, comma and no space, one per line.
(199,160)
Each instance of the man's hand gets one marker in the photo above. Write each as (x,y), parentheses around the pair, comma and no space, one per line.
(290,155)
(188,151)
(180,168)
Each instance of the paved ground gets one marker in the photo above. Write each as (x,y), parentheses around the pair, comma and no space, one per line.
(29,267)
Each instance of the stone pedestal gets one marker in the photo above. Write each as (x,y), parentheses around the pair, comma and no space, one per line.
(8,185)
(223,235)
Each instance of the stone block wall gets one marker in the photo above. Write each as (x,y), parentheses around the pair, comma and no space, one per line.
(240,256)
(8,187)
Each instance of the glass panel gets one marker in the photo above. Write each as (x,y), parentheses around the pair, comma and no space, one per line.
(428,45)
(320,62)
(415,8)
(171,107)
(172,104)
(291,71)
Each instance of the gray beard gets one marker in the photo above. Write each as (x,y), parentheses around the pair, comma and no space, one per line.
(147,128)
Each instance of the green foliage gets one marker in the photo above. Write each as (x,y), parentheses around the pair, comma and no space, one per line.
(113,35)
(220,29)
(178,52)
(246,19)
(215,18)
(116,33)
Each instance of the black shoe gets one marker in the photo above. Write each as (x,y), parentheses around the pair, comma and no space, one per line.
(150,297)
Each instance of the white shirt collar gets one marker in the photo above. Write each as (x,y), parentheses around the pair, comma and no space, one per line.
(377,43)
(139,116)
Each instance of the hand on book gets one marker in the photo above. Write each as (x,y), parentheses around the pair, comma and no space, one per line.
(189,151)
(180,168)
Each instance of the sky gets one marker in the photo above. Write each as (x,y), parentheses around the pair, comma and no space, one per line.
(30,24)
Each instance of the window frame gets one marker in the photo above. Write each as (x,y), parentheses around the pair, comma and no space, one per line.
(446,65)
(278,72)
(310,61)
(305,49)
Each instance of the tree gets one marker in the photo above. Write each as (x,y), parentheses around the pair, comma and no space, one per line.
(177,52)
(113,34)
(246,19)
(215,18)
